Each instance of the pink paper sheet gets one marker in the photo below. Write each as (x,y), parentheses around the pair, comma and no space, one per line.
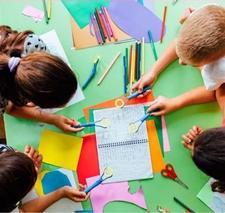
(106,193)
(166,142)
(36,14)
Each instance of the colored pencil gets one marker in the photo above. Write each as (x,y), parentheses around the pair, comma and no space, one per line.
(45,11)
(126,55)
(101,23)
(136,61)
(108,69)
(105,25)
(96,29)
(99,26)
(163,24)
(130,60)
(152,45)
(112,32)
(183,205)
(124,75)
(133,65)
(139,62)
(49,9)
(143,56)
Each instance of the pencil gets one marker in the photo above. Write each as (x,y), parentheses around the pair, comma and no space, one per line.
(99,26)
(126,54)
(152,45)
(105,24)
(49,9)
(133,65)
(124,75)
(108,69)
(139,61)
(96,29)
(143,56)
(136,61)
(130,60)
(45,11)
(183,205)
(101,23)
(163,23)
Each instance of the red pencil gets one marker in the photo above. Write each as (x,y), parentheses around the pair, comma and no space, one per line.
(163,24)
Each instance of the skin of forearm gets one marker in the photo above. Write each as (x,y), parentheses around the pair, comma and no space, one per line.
(167,57)
(196,96)
(41,203)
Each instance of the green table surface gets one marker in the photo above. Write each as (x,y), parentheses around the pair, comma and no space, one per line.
(175,80)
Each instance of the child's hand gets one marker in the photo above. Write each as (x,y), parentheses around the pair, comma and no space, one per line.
(190,136)
(146,80)
(34,155)
(75,194)
(186,14)
(162,105)
(66,124)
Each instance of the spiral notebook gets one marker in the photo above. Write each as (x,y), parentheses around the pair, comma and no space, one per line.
(126,153)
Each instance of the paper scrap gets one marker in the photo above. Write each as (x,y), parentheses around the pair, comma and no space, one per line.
(88,163)
(106,193)
(60,149)
(166,142)
(55,47)
(33,12)
(126,153)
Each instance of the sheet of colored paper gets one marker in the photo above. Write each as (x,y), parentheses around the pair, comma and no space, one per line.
(166,142)
(64,204)
(82,38)
(33,12)
(111,103)
(156,154)
(60,149)
(129,13)
(80,10)
(106,193)
(214,200)
(88,163)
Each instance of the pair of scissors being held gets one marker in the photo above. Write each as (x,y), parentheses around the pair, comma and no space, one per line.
(169,172)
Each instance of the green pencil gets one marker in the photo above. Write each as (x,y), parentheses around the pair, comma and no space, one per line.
(45,11)
(152,45)
(183,205)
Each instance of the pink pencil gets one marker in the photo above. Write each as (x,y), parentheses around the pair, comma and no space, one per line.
(96,29)
(107,20)
(105,24)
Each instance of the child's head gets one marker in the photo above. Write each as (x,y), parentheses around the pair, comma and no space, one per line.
(17,178)
(40,78)
(202,37)
(209,155)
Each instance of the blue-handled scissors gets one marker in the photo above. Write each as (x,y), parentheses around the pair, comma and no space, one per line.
(134,126)
(91,75)
(136,94)
(107,173)
(104,123)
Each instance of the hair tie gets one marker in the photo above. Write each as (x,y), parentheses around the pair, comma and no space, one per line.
(13,63)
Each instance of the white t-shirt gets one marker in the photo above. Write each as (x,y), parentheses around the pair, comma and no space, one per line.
(214,74)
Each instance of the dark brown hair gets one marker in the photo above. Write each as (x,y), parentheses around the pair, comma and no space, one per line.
(12,41)
(41,78)
(209,155)
(17,178)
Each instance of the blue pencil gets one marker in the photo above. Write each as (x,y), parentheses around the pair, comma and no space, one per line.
(127,65)
(152,45)
(124,75)
(139,62)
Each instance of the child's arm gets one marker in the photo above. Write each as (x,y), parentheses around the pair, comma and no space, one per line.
(168,56)
(35,113)
(41,203)
(164,105)
(220,97)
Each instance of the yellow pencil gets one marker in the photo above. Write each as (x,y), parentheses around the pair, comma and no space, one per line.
(49,9)
(143,56)
(133,65)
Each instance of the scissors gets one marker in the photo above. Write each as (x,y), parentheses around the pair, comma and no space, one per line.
(134,126)
(170,173)
(107,173)
(103,123)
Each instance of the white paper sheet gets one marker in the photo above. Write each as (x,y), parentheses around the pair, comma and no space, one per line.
(126,153)
(53,43)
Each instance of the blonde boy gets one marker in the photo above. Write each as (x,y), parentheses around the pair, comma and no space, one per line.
(200,43)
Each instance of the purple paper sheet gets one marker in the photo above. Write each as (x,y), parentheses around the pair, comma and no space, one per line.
(135,19)
(109,192)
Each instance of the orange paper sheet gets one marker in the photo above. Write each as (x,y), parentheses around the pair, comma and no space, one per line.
(155,150)
(111,103)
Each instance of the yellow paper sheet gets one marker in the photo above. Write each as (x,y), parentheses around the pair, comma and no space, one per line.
(156,154)
(60,149)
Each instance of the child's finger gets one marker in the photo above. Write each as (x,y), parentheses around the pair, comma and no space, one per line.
(158,113)
(186,139)
(27,148)
(36,154)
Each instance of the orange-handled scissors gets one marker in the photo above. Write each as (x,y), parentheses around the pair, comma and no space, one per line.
(170,173)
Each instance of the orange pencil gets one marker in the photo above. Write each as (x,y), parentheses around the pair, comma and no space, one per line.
(163,24)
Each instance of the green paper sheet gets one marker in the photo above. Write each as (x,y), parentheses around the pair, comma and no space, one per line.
(80,10)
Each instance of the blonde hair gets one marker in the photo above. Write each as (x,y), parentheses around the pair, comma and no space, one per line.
(202,36)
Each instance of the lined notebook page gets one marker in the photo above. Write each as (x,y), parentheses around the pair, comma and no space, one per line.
(126,153)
